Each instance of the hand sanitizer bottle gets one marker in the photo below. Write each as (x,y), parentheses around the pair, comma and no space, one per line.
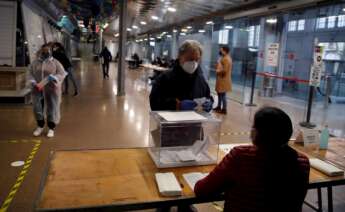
(324,138)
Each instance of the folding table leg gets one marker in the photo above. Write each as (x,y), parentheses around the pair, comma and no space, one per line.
(330,198)
(319,199)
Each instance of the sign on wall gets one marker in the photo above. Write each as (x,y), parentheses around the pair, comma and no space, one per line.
(272,55)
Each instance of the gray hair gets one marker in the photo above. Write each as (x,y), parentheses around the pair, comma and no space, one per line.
(190,45)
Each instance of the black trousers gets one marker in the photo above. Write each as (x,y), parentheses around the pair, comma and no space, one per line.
(105,67)
(41,123)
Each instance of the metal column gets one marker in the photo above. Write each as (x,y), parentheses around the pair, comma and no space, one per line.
(122,49)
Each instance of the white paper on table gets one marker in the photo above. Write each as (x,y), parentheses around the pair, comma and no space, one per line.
(182,116)
(168,184)
(226,148)
(325,167)
(186,155)
(193,177)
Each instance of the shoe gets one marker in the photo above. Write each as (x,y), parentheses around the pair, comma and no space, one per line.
(38,131)
(75,93)
(50,133)
(223,112)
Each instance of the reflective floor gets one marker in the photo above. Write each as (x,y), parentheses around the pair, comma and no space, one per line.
(97,119)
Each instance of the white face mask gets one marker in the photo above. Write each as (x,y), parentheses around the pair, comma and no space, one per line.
(190,66)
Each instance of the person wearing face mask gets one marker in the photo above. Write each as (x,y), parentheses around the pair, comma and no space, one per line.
(178,88)
(45,76)
(223,80)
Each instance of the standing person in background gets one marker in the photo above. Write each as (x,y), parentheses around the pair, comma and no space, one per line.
(105,59)
(223,80)
(45,76)
(60,54)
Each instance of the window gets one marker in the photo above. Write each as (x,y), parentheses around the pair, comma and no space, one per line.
(257,35)
(251,35)
(300,25)
(341,21)
(223,37)
(331,21)
(292,26)
(321,23)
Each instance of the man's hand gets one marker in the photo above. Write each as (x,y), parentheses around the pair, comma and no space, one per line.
(52,78)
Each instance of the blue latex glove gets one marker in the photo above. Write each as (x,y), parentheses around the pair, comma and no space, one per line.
(188,105)
(52,78)
(207,106)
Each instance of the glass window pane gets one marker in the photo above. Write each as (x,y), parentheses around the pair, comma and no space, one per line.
(331,21)
(251,34)
(292,26)
(223,36)
(341,20)
(321,23)
(257,36)
(301,24)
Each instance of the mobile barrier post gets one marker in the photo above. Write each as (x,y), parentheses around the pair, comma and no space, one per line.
(307,123)
(251,104)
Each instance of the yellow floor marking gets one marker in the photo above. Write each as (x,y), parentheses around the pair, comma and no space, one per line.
(20,178)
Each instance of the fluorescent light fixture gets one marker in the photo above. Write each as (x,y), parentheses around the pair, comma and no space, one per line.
(159,37)
(344,9)
(154,17)
(145,39)
(129,29)
(271,20)
(184,30)
(175,30)
(135,27)
(142,22)
(116,35)
(202,30)
(189,27)
(182,33)
(152,38)
(228,27)
(209,22)
(171,9)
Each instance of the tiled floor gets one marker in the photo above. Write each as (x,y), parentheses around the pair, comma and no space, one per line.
(96,119)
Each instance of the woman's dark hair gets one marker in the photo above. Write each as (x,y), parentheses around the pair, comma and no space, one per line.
(60,46)
(226,49)
(273,127)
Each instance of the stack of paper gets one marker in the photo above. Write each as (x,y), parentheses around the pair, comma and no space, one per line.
(186,155)
(193,177)
(325,167)
(168,184)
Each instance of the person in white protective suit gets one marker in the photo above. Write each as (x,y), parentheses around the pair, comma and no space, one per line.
(45,77)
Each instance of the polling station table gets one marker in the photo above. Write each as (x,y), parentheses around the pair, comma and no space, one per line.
(123,179)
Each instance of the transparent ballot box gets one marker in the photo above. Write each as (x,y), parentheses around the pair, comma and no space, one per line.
(183,139)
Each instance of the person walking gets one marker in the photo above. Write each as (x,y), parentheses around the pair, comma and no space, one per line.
(105,60)
(223,79)
(60,54)
(45,77)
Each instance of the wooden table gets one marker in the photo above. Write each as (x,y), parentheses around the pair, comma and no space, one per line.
(121,179)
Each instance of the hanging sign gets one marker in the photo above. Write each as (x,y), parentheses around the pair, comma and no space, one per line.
(316,68)
(272,55)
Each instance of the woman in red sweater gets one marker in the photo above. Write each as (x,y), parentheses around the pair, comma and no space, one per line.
(268,176)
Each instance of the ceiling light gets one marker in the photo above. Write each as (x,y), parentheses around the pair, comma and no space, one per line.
(145,39)
(159,37)
(135,27)
(271,20)
(209,22)
(129,29)
(229,27)
(154,17)
(142,22)
(171,9)
(152,38)
(189,27)
(116,35)
(175,30)
(182,33)
(169,36)
(202,30)
(184,30)
(344,9)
